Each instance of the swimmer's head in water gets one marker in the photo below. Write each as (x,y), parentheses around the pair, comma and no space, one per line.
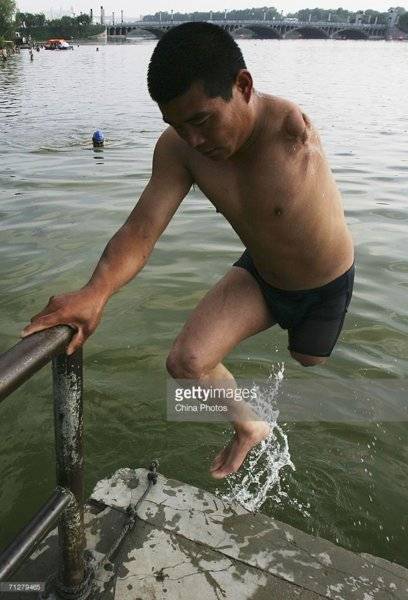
(98,138)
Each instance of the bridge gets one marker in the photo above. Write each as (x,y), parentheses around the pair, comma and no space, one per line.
(263,29)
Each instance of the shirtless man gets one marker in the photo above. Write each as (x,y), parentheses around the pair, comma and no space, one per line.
(259,161)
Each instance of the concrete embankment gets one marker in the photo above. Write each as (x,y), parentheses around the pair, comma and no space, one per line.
(186,543)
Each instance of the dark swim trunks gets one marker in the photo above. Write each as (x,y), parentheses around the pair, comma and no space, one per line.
(313,318)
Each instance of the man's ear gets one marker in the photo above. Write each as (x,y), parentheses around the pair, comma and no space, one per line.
(245,84)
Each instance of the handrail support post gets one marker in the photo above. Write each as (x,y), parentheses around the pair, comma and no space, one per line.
(68,416)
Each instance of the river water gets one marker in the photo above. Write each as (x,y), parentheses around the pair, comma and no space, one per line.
(60,202)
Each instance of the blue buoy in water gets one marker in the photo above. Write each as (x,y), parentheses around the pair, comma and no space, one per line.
(98,138)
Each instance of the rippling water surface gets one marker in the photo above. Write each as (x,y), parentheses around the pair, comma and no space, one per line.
(60,202)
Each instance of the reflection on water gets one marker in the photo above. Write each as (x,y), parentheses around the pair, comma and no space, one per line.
(98,155)
(58,208)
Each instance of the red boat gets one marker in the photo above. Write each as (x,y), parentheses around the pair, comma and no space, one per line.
(58,44)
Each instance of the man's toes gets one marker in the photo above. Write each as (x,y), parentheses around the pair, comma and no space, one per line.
(218,460)
(232,462)
(220,474)
(222,470)
(221,457)
(226,469)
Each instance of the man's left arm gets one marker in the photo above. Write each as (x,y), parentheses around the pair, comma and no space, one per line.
(296,124)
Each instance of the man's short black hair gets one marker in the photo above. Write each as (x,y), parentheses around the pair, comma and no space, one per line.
(194,52)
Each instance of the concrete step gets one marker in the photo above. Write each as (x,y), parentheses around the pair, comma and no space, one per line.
(187,543)
(305,563)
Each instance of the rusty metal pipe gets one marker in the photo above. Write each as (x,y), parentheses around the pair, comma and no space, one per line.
(32,534)
(68,416)
(29,355)
(16,366)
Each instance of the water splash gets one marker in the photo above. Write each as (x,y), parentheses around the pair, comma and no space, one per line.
(259,479)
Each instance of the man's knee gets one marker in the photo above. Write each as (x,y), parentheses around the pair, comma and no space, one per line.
(183,363)
(308,361)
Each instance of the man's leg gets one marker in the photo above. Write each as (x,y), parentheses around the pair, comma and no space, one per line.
(234,309)
(307,360)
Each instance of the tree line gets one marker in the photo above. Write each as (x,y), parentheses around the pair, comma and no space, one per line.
(341,15)
(267,13)
(38,27)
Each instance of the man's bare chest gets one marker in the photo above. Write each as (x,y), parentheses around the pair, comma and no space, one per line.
(267,189)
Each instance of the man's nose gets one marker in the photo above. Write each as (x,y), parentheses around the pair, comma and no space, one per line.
(193,137)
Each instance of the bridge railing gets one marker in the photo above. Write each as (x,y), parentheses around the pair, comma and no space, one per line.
(267,22)
(66,503)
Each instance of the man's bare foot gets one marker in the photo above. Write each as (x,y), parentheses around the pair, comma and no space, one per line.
(233,455)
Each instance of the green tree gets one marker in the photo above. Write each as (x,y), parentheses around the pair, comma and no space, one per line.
(370,15)
(258,14)
(25,19)
(40,20)
(19,19)
(7,11)
(66,22)
(30,20)
(403,22)
(83,19)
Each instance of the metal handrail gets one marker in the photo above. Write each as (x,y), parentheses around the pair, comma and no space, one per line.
(67,501)
(277,22)
(29,356)
(28,539)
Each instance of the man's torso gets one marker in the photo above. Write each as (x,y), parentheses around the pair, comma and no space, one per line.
(282,201)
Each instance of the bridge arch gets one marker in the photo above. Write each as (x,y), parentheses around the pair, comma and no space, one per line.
(264,32)
(306,33)
(135,32)
(117,30)
(350,34)
(157,32)
(238,31)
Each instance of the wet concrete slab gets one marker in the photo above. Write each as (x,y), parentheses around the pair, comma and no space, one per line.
(158,564)
(306,564)
(187,543)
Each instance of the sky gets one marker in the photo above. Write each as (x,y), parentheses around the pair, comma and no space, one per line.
(55,8)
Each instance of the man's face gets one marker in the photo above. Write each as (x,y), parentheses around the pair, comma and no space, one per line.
(212,126)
